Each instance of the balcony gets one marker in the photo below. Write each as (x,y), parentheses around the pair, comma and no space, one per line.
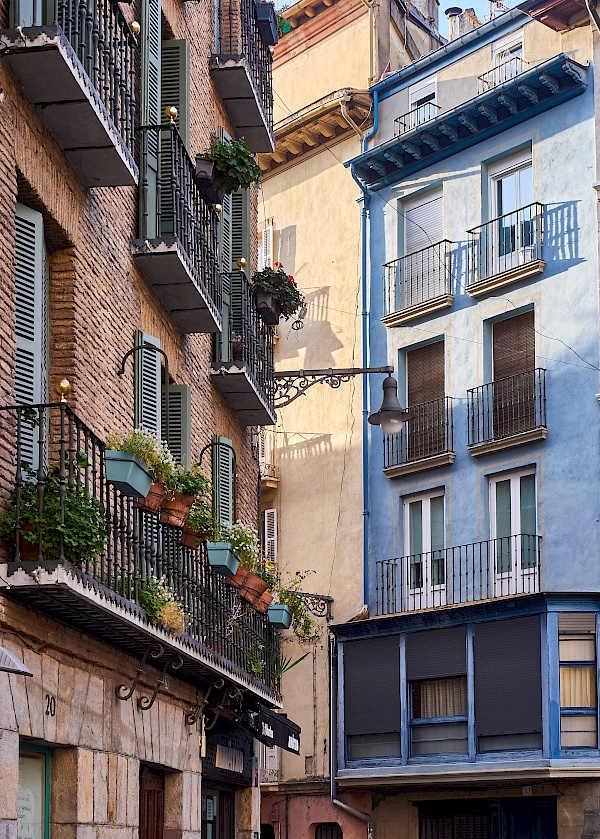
(489,113)
(506,70)
(508,412)
(76,63)
(177,251)
(505,250)
(425,442)
(268,465)
(418,284)
(503,567)
(242,74)
(101,596)
(244,376)
(415,117)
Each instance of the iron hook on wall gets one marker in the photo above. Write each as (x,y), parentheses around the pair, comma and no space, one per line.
(166,379)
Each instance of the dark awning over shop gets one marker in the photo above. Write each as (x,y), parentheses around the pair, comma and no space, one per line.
(276,730)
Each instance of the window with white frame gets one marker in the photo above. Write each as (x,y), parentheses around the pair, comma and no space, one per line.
(513,526)
(507,54)
(424,528)
(578,681)
(421,102)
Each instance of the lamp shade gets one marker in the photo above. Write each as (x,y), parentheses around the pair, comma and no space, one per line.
(391,415)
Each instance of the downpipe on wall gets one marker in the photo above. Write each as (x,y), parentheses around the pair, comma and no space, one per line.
(333,698)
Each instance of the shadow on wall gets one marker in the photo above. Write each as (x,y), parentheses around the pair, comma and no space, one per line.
(560,242)
(316,337)
(285,248)
(318,446)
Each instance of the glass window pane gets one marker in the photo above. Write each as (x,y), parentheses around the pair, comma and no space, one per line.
(437,523)
(374,745)
(439,698)
(32,796)
(503,527)
(528,512)
(578,732)
(578,687)
(439,739)
(415,526)
(577,649)
(506,742)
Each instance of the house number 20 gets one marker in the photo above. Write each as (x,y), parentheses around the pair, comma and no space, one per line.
(50,705)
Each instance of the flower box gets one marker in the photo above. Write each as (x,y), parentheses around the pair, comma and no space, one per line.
(280,616)
(205,174)
(128,473)
(151,503)
(174,511)
(266,20)
(221,558)
(249,585)
(263,603)
(268,308)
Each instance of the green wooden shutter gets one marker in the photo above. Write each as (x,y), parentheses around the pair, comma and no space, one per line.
(240,247)
(150,104)
(225,269)
(31,317)
(223,481)
(180,437)
(175,84)
(147,375)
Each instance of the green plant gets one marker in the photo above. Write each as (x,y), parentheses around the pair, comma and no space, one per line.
(202,520)
(147,445)
(283,25)
(303,626)
(235,167)
(283,286)
(254,660)
(160,604)
(187,482)
(281,663)
(244,543)
(84,528)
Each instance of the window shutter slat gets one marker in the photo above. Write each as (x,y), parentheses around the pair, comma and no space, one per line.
(270,537)
(577,622)
(147,374)
(180,437)
(436,653)
(372,686)
(223,480)
(423,222)
(513,343)
(150,103)
(425,373)
(175,84)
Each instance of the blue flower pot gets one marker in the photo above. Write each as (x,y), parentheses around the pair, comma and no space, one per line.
(221,558)
(128,473)
(280,616)
(266,20)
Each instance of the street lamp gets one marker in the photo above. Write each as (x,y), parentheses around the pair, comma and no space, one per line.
(391,415)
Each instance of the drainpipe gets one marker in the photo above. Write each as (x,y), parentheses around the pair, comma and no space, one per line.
(370,4)
(333,691)
(593,14)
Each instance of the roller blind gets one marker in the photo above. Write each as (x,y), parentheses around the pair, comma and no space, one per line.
(436,653)
(423,221)
(425,373)
(513,342)
(372,686)
(508,684)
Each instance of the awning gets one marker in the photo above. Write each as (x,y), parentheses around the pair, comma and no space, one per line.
(276,730)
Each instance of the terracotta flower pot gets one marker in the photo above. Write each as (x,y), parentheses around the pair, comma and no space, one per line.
(190,540)
(248,584)
(262,603)
(174,511)
(152,502)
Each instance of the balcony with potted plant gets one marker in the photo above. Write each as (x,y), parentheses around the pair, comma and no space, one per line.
(223,168)
(276,294)
(84,550)
(241,69)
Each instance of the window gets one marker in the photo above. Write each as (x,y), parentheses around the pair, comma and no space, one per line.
(423,267)
(34,793)
(507,58)
(265,246)
(513,516)
(511,198)
(424,528)
(514,388)
(439,716)
(421,101)
(328,830)
(425,395)
(578,681)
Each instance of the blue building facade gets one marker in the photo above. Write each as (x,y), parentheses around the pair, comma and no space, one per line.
(468,697)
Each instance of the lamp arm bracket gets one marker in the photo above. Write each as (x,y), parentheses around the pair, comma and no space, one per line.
(290,384)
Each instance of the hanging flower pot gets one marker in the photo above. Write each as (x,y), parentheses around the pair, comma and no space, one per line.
(127,472)
(266,20)
(205,175)
(263,603)
(153,500)
(189,539)
(268,307)
(221,558)
(248,584)
(174,511)
(280,616)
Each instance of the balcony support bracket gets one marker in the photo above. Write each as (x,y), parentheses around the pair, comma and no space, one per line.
(290,384)
(154,651)
(196,711)
(143,703)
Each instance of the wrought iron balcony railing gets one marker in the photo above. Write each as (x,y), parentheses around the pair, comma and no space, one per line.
(505,243)
(250,340)
(240,36)
(418,277)
(508,69)
(102,41)
(416,116)
(429,433)
(137,544)
(501,567)
(507,407)
(172,205)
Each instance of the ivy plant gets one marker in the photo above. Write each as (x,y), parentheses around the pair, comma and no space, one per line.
(235,167)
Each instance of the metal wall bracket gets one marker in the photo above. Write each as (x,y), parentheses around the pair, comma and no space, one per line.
(143,703)
(318,605)
(191,716)
(290,384)
(154,651)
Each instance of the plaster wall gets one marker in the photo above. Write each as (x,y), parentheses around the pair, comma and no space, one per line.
(565,301)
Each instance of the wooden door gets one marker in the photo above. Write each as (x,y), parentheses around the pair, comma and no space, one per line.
(426,392)
(513,392)
(152,803)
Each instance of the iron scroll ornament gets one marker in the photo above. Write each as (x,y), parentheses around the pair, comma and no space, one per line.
(290,384)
